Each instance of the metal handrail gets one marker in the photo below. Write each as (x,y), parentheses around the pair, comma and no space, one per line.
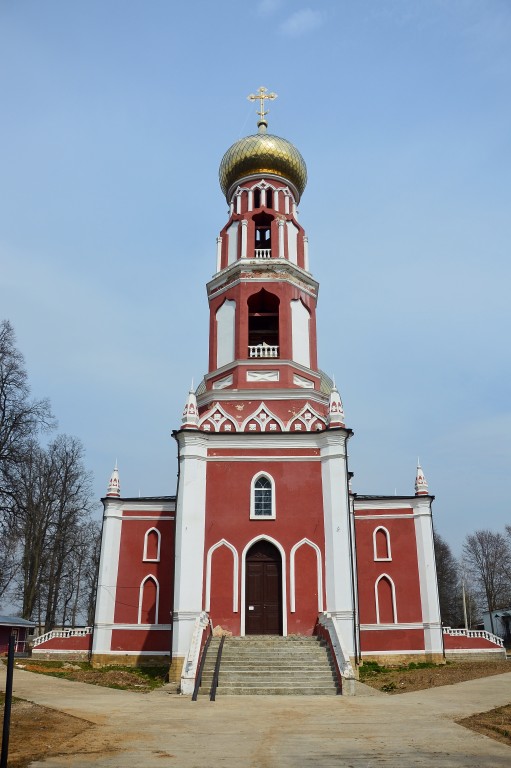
(214,684)
(198,679)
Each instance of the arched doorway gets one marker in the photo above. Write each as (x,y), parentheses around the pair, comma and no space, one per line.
(263,585)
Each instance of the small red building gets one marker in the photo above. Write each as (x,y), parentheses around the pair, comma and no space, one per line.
(264,535)
(20,628)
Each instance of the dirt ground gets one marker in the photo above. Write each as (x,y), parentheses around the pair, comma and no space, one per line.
(38,731)
(496,723)
(127,679)
(405,680)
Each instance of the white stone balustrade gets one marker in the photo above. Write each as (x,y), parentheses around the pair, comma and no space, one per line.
(62,633)
(262,253)
(263,350)
(482,633)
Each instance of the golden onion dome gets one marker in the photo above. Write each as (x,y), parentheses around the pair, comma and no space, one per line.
(263,153)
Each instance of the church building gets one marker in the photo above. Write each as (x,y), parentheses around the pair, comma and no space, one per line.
(264,534)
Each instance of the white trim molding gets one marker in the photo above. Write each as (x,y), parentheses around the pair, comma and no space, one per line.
(377,603)
(158,546)
(235,572)
(375,546)
(149,577)
(319,578)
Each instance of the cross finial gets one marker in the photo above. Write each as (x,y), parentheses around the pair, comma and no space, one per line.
(261,95)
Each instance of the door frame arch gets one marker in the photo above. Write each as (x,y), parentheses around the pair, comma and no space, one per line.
(273,541)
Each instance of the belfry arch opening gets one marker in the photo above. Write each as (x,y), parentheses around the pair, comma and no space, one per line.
(262,244)
(263,324)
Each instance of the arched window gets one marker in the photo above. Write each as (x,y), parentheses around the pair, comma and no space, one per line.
(152,540)
(262,497)
(269,198)
(381,544)
(257,198)
(263,324)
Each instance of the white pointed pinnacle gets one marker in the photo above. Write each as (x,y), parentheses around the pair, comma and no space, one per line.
(114,486)
(421,485)
(335,416)
(190,418)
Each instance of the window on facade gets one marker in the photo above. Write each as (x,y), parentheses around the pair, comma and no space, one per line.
(257,198)
(262,497)
(269,198)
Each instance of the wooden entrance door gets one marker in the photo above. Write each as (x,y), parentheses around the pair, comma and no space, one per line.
(263,597)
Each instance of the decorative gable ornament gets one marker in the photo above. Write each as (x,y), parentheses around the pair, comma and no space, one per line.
(307,420)
(217,420)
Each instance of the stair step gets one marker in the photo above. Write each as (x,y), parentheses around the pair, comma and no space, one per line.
(270,665)
(275,691)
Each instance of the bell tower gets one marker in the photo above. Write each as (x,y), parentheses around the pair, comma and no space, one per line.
(264,539)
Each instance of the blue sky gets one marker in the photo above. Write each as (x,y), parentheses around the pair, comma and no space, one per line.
(115,116)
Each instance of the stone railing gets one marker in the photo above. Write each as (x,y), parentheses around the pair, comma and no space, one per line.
(263,350)
(328,628)
(192,660)
(82,632)
(262,253)
(481,633)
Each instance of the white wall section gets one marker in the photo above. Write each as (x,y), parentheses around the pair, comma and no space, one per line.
(300,321)
(225,333)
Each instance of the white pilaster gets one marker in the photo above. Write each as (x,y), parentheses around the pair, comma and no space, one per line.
(218,254)
(107,575)
(276,200)
(244,227)
(281,253)
(190,517)
(306,252)
(250,201)
(338,563)
(427,576)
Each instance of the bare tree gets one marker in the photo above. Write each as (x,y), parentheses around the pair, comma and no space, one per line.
(449,587)
(487,557)
(73,504)
(20,420)
(53,500)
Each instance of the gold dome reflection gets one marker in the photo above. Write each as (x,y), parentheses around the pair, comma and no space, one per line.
(263,153)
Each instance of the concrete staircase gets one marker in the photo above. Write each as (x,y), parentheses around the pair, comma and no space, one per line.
(270,665)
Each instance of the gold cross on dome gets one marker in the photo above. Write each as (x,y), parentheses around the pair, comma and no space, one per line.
(261,95)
